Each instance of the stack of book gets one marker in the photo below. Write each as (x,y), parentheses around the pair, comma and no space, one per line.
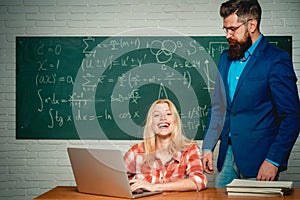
(242,187)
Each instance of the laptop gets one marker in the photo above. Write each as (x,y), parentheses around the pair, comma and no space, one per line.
(102,172)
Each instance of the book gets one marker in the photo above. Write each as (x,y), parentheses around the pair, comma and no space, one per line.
(255,191)
(259,184)
(246,187)
(254,194)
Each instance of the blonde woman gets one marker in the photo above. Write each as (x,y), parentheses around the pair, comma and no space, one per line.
(166,160)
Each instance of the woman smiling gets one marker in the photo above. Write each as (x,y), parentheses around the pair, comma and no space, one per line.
(166,160)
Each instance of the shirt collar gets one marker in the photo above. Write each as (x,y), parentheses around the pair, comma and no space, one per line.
(254,45)
(250,51)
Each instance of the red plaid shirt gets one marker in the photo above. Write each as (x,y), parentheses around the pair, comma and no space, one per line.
(185,164)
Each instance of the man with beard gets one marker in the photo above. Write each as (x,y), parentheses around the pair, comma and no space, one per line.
(255,111)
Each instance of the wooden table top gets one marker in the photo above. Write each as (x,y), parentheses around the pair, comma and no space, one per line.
(70,192)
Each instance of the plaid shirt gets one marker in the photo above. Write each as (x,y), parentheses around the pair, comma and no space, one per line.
(185,164)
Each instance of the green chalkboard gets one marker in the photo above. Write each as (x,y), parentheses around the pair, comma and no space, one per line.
(102,87)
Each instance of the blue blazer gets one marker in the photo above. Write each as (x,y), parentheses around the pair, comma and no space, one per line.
(264,115)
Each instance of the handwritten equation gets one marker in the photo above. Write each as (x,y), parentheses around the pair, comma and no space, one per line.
(102,87)
(110,82)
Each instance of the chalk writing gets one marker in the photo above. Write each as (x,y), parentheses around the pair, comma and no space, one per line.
(101,87)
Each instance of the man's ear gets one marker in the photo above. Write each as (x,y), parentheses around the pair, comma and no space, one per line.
(252,25)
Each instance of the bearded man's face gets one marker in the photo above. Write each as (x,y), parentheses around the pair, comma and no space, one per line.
(237,48)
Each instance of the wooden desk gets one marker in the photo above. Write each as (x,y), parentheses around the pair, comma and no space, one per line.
(70,193)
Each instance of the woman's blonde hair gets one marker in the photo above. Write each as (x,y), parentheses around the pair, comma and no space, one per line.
(178,139)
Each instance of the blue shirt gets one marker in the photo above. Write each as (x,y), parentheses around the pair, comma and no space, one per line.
(235,71)
(237,67)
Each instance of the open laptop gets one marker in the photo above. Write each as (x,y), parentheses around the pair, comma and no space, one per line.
(102,172)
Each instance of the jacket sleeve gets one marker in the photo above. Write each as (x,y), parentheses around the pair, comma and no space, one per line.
(216,114)
(285,99)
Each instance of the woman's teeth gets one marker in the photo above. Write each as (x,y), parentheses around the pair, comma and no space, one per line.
(162,125)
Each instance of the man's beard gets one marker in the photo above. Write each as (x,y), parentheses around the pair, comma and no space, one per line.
(238,49)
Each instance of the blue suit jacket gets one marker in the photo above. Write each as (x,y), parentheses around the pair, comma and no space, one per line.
(264,114)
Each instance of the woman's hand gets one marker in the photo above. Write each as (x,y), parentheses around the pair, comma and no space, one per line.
(137,185)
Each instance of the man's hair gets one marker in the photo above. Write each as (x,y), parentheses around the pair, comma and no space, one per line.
(244,9)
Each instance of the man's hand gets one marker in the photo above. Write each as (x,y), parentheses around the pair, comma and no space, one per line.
(267,172)
(207,159)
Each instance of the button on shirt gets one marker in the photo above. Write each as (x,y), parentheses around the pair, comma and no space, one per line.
(185,164)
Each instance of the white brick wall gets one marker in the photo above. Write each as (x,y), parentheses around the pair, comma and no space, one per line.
(31,167)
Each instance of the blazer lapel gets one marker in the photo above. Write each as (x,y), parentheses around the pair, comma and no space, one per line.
(244,74)
(248,67)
